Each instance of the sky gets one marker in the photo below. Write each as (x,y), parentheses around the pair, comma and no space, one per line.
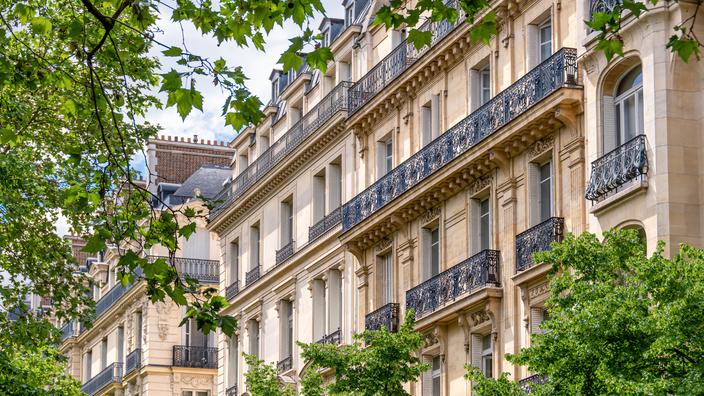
(257,66)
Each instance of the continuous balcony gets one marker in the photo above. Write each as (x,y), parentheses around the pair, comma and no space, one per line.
(69,330)
(232,290)
(195,356)
(110,375)
(476,272)
(133,361)
(205,271)
(326,224)
(110,298)
(331,104)
(386,316)
(231,391)
(617,168)
(537,239)
(399,60)
(284,364)
(528,383)
(333,338)
(285,252)
(252,275)
(558,71)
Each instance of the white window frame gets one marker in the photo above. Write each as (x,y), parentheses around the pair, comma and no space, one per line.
(635,92)
(545,25)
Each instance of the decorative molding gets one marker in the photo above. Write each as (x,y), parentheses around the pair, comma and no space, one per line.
(479,185)
(538,291)
(163,331)
(430,215)
(479,317)
(383,244)
(541,146)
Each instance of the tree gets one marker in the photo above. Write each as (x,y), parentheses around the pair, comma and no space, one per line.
(620,322)
(378,362)
(262,379)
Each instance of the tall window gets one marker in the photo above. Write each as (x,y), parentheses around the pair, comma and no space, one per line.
(436,375)
(430,120)
(234,261)
(319,308)
(120,343)
(103,353)
(545,191)
(349,14)
(138,329)
(484,230)
(232,360)
(487,359)
(319,183)
(244,161)
(335,184)
(254,337)
(484,85)
(431,252)
(286,326)
(287,221)
(629,106)
(334,300)
(255,242)
(385,153)
(545,39)
(387,278)
(88,365)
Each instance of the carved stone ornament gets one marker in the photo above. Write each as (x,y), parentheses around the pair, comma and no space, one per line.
(430,339)
(196,380)
(163,331)
(383,244)
(430,215)
(479,317)
(479,185)
(538,291)
(541,146)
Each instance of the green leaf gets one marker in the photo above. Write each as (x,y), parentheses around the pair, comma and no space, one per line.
(41,25)
(187,230)
(484,30)
(94,244)
(684,47)
(610,47)
(319,58)
(419,38)
(228,325)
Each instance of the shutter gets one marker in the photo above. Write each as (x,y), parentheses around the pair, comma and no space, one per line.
(534,193)
(536,317)
(476,348)
(427,378)
(532,46)
(609,126)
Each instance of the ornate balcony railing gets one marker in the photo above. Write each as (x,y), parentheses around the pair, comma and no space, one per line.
(232,290)
(536,379)
(206,271)
(333,338)
(109,299)
(285,252)
(326,224)
(133,361)
(537,239)
(111,374)
(231,391)
(626,163)
(386,316)
(195,356)
(555,72)
(316,117)
(69,330)
(252,275)
(399,60)
(476,272)
(602,6)
(284,364)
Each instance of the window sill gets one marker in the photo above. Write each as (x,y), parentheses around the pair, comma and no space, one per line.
(634,188)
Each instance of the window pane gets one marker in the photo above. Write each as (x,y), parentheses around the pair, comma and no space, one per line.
(545,192)
(484,225)
(629,118)
(434,252)
(389,156)
(639,109)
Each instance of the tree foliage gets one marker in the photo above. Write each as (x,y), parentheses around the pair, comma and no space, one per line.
(377,363)
(262,379)
(620,322)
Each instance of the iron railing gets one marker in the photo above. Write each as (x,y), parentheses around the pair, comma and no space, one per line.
(537,239)
(386,316)
(110,298)
(232,290)
(252,275)
(325,224)
(195,356)
(476,272)
(528,383)
(555,72)
(231,391)
(69,330)
(333,338)
(285,252)
(399,60)
(133,361)
(111,374)
(284,364)
(602,6)
(206,271)
(626,163)
(315,118)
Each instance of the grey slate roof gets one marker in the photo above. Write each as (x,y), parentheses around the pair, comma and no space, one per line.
(208,179)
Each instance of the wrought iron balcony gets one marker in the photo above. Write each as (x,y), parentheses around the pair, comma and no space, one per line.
(231,391)
(109,299)
(111,374)
(626,163)
(537,239)
(206,271)
(232,290)
(602,6)
(536,379)
(315,118)
(552,74)
(195,356)
(326,224)
(476,272)
(333,338)
(386,316)
(133,361)
(251,276)
(285,252)
(284,364)
(69,330)
(399,60)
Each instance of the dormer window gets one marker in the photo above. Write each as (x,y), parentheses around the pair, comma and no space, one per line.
(326,38)
(274,90)
(349,14)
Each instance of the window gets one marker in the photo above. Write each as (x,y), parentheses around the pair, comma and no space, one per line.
(480,84)
(103,353)
(244,162)
(545,39)
(545,192)
(87,365)
(335,184)
(138,329)
(387,278)
(484,230)
(487,360)
(431,249)
(397,37)
(253,337)
(431,379)
(232,360)
(195,393)
(484,85)
(326,38)
(436,376)
(319,308)
(286,329)
(120,343)
(538,315)
(430,120)
(274,90)
(384,156)
(349,14)
(234,261)
(319,197)
(287,221)
(334,301)
(255,247)
(629,106)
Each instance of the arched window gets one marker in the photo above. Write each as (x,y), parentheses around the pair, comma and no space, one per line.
(623,112)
